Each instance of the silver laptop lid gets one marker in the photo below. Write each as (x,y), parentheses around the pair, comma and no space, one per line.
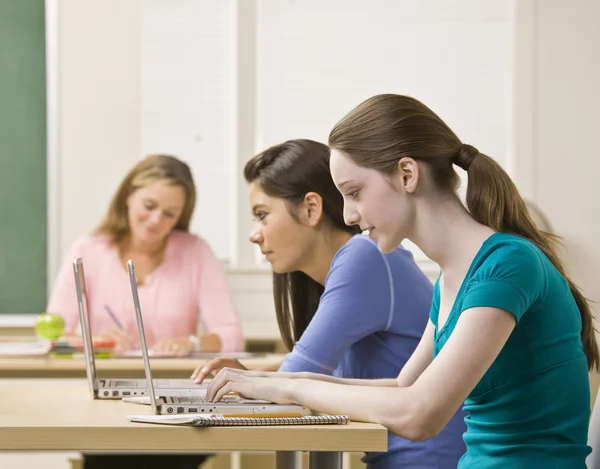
(86,330)
(143,345)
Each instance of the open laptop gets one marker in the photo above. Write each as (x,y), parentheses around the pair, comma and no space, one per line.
(231,405)
(118,388)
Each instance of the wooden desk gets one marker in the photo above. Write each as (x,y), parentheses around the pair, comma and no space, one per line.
(48,367)
(59,415)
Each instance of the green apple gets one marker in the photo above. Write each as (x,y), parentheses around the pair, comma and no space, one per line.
(49,326)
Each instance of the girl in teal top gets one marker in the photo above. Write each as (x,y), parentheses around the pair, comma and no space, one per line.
(510,338)
(532,404)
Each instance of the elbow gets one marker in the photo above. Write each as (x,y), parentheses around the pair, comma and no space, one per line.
(413,430)
(422,432)
(418,424)
(240,342)
(232,341)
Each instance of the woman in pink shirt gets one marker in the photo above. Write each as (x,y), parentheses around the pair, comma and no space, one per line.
(180,279)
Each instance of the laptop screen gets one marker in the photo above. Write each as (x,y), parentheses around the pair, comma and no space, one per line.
(86,330)
(143,344)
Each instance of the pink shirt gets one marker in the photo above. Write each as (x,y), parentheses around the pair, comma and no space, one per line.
(188,285)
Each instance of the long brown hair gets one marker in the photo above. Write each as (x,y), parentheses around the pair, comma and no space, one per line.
(385,128)
(167,168)
(289,171)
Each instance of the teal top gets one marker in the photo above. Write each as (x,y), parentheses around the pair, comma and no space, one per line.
(532,406)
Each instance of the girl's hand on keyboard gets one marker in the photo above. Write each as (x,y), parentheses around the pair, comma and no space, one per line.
(213,367)
(272,387)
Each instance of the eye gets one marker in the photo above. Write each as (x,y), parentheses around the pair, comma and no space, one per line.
(260,216)
(353,194)
(170,215)
(149,205)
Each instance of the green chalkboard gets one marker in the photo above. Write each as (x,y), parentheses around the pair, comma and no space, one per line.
(22,157)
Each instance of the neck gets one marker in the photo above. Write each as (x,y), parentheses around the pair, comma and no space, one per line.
(447,234)
(137,249)
(319,262)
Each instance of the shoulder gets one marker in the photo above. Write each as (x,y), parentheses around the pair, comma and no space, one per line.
(509,273)
(363,251)
(181,240)
(510,256)
(359,249)
(92,244)
(359,261)
(183,243)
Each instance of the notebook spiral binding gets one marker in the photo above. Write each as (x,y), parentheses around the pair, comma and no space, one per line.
(260,421)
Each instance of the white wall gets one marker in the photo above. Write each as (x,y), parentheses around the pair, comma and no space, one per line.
(187,101)
(565,138)
(215,82)
(99,108)
(556,109)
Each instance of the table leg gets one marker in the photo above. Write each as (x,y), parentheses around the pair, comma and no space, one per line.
(325,460)
(288,460)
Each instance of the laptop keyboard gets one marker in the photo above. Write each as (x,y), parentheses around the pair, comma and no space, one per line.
(141,384)
(186,400)
(125,383)
(227,399)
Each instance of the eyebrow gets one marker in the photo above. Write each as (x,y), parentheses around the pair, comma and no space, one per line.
(341,184)
(173,209)
(257,206)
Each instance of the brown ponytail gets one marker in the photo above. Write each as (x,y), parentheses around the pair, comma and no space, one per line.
(385,128)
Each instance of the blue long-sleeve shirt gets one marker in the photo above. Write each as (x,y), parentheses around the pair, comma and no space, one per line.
(370,319)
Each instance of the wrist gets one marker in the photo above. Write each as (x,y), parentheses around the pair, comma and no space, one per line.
(196,343)
(290,390)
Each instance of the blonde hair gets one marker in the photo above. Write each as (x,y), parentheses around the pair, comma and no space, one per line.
(153,168)
(385,128)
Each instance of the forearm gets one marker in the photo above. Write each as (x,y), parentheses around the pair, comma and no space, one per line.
(395,408)
(272,366)
(387,382)
(210,343)
(229,336)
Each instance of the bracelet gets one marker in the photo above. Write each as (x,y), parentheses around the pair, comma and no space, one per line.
(195,343)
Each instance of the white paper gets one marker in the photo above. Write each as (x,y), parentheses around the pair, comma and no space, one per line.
(30,348)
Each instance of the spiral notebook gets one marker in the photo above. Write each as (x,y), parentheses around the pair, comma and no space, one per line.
(220,420)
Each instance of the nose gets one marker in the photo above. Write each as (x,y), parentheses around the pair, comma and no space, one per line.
(256,236)
(351,215)
(155,216)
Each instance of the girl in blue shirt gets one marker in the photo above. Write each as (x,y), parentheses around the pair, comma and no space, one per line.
(343,307)
(510,337)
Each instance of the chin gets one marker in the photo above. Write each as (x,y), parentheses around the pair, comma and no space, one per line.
(387,245)
(277,270)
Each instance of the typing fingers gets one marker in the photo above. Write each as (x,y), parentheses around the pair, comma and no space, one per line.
(239,384)
(213,366)
(220,381)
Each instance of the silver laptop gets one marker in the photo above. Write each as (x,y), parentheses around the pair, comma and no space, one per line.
(231,404)
(118,388)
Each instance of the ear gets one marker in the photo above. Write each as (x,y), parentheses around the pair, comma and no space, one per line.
(407,175)
(312,209)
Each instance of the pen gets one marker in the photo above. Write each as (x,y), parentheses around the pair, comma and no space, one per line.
(113,317)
